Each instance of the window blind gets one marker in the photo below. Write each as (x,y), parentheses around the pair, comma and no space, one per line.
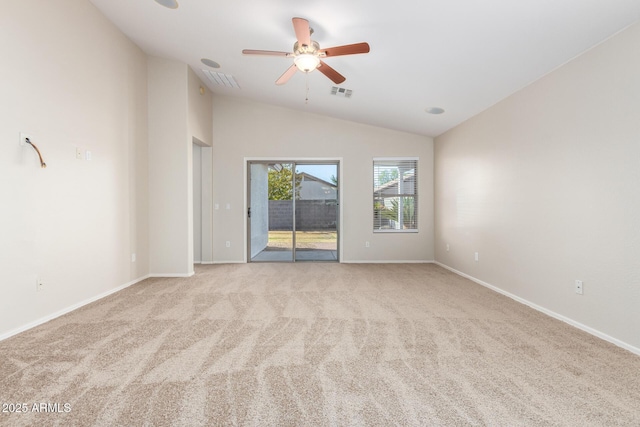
(395,194)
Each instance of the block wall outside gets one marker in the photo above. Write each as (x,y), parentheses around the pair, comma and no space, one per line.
(310,215)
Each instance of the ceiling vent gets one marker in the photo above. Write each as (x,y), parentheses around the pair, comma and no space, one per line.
(221,79)
(340,91)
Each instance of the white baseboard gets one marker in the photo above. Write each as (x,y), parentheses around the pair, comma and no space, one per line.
(388,261)
(546,311)
(227,262)
(172,274)
(207,262)
(342,261)
(69,309)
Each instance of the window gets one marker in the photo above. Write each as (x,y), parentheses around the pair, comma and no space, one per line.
(395,194)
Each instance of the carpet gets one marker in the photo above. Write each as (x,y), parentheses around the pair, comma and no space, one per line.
(314,344)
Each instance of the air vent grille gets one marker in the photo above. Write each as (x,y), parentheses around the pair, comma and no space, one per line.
(340,91)
(221,79)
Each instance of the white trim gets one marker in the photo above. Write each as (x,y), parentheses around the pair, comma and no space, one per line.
(245,194)
(207,262)
(546,311)
(387,261)
(172,274)
(291,159)
(228,262)
(69,309)
(375,159)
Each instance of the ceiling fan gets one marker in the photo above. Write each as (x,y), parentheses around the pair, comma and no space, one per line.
(307,54)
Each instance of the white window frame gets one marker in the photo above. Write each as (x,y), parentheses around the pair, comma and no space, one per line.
(376,195)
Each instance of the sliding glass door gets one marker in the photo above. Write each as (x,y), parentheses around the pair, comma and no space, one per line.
(316,212)
(270,213)
(293,211)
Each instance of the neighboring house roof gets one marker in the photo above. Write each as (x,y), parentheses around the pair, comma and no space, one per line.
(313,188)
(391,187)
(306,177)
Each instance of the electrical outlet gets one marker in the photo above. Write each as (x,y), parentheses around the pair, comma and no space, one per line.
(78,153)
(367,245)
(579,287)
(228,244)
(447,247)
(477,257)
(133,257)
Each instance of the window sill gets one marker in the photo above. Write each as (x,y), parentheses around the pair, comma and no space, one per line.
(389,230)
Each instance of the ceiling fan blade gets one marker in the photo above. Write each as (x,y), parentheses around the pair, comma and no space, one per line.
(349,49)
(303,32)
(287,75)
(265,52)
(333,75)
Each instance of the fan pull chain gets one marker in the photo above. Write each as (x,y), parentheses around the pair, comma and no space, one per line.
(306,100)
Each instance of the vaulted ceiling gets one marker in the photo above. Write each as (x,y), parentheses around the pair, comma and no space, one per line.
(459,55)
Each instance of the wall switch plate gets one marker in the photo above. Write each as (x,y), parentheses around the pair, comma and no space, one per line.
(216,206)
(133,257)
(477,256)
(87,155)
(78,153)
(39,285)
(579,287)
(367,245)
(228,206)
(228,244)
(447,247)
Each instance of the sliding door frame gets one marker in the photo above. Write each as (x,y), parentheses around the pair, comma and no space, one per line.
(295,161)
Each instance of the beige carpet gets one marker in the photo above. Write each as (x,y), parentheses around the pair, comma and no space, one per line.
(315,345)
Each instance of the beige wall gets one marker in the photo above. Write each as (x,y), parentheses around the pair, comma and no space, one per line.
(200,109)
(197,203)
(200,129)
(544,185)
(178,115)
(70,79)
(246,129)
(169,174)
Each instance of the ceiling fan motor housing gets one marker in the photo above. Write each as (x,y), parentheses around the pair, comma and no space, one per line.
(306,58)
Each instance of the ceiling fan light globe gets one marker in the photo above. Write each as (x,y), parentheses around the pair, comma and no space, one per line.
(306,62)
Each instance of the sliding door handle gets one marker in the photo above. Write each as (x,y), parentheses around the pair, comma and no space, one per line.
(249,212)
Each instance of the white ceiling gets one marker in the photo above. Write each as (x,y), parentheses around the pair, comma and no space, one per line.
(461,55)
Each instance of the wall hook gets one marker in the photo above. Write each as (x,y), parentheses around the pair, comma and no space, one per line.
(42,163)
